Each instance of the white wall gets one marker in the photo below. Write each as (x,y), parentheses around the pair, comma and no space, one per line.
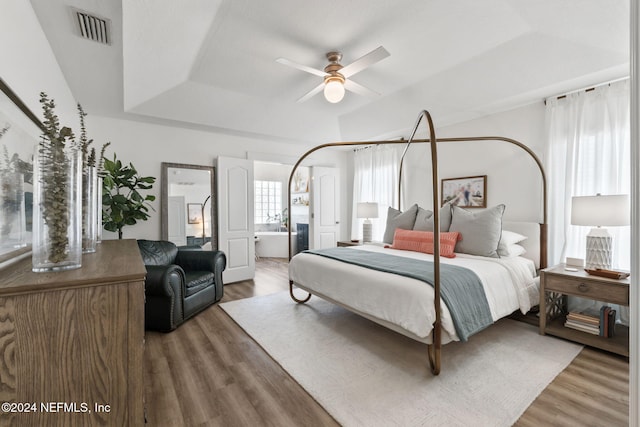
(513,178)
(27,63)
(147,145)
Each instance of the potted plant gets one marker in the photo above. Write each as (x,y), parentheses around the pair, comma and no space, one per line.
(122,202)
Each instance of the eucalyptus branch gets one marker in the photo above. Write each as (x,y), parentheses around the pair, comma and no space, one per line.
(100,163)
(54,162)
(5,130)
(84,141)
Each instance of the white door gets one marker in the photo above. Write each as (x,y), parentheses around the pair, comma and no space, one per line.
(177,221)
(235,218)
(324,224)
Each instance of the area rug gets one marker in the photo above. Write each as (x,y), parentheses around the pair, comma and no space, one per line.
(366,375)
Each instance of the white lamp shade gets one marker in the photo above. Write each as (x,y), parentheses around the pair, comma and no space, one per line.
(367,210)
(597,211)
(334,91)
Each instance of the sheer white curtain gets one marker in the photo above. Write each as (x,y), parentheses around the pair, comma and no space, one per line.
(588,152)
(375,179)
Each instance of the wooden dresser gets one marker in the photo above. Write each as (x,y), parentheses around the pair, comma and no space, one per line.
(72,343)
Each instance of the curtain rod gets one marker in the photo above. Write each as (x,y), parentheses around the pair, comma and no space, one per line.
(585,89)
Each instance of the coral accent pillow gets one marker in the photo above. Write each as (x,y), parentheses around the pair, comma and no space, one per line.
(422,241)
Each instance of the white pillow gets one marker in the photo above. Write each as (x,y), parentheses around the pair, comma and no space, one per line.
(512,251)
(507,239)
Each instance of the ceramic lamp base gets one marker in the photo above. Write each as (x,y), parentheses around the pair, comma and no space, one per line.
(366,231)
(598,249)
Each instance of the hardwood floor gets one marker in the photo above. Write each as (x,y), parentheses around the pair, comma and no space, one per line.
(209,372)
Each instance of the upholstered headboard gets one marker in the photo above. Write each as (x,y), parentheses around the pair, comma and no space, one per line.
(532,243)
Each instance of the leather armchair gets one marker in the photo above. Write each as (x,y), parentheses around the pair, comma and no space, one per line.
(180,282)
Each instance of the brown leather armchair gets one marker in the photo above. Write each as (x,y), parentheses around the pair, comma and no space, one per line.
(180,282)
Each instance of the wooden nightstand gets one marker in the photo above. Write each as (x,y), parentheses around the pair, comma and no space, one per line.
(344,243)
(556,283)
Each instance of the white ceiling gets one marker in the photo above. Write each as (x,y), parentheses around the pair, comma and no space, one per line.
(210,64)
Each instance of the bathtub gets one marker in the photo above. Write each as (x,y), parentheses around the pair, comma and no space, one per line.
(273,244)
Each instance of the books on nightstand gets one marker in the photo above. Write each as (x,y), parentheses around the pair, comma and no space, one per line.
(592,321)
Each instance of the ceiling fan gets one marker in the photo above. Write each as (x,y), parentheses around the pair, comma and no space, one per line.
(336,76)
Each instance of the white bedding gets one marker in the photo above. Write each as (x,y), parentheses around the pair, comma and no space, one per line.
(390,299)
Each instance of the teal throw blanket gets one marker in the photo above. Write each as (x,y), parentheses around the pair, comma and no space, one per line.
(460,288)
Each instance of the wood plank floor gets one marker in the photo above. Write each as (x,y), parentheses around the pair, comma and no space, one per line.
(209,372)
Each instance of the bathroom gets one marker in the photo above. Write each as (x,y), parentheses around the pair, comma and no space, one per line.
(271,213)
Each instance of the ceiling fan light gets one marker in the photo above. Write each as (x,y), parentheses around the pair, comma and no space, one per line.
(334,90)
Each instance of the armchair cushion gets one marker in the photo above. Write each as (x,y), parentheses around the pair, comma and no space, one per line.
(198,280)
(157,252)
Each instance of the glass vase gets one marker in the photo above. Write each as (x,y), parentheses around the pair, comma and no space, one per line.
(99,204)
(57,209)
(12,212)
(89,209)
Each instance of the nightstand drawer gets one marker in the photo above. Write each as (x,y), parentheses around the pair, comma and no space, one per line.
(601,291)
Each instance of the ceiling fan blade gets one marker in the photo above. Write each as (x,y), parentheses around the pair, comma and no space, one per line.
(312,92)
(363,62)
(359,89)
(285,61)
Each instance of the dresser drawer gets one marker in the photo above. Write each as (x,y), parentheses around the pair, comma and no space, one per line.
(602,291)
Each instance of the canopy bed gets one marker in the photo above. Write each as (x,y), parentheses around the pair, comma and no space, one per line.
(479,283)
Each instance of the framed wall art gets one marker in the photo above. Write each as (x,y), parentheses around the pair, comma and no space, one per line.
(194,213)
(468,192)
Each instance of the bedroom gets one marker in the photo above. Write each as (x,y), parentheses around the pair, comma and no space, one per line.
(39,56)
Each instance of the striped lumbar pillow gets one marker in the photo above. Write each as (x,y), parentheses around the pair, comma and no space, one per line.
(422,241)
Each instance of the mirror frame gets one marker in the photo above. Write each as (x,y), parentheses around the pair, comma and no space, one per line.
(10,256)
(164,190)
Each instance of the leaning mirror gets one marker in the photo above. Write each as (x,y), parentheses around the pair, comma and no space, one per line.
(189,205)
(19,133)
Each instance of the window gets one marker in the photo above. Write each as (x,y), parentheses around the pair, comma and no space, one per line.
(375,180)
(268,201)
(587,153)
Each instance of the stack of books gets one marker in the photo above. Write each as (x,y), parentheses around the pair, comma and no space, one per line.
(593,321)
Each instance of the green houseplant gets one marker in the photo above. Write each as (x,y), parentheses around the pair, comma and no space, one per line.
(122,202)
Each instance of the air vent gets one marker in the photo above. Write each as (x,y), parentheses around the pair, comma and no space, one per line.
(93,28)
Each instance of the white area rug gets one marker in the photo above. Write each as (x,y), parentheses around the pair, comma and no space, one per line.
(366,375)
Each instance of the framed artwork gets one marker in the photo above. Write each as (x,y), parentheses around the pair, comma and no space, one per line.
(468,192)
(194,213)
(20,130)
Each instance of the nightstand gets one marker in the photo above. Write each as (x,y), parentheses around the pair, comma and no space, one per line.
(344,243)
(556,283)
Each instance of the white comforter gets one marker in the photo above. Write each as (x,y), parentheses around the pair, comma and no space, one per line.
(509,285)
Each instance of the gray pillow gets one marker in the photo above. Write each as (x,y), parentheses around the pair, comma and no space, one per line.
(424,219)
(480,230)
(397,219)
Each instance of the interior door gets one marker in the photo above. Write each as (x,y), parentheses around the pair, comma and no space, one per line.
(324,223)
(177,220)
(236,230)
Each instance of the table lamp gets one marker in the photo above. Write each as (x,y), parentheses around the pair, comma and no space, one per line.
(599,211)
(367,210)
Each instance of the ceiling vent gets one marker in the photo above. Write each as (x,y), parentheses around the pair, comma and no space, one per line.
(93,27)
